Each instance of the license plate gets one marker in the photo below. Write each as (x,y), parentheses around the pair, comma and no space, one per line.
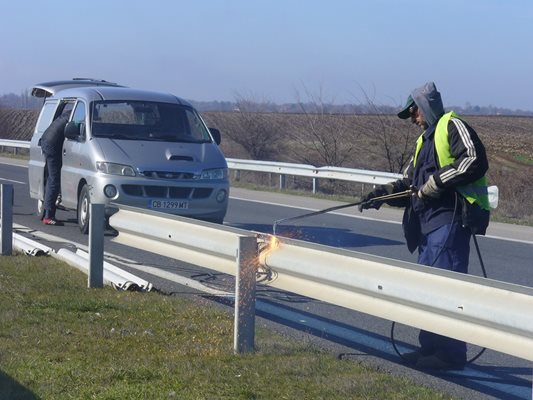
(168,204)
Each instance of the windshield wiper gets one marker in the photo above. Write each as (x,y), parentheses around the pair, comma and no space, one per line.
(116,136)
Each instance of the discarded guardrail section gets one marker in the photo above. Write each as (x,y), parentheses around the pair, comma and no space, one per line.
(112,275)
(488,313)
(30,247)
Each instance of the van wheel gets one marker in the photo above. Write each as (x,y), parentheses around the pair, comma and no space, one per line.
(84,202)
(40,209)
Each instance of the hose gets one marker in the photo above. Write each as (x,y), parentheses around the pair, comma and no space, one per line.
(386,197)
(474,358)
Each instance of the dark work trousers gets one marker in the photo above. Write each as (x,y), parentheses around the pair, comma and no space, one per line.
(53,182)
(447,247)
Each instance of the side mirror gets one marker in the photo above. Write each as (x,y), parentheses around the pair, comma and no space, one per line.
(72,130)
(216,135)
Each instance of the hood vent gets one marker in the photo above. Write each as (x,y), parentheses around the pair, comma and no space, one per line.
(180,158)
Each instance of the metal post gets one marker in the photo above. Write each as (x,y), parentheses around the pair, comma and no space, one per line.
(96,246)
(244,330)
(237,175)
(6,219)
(282,182)
(315,185)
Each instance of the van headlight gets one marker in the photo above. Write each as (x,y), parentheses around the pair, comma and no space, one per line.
(114,169)
(214,173)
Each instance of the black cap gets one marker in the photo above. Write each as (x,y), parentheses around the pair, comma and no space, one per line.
(404,113)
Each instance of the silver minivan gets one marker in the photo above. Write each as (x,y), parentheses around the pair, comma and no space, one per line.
(132,147)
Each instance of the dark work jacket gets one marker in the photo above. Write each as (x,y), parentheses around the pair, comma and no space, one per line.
(422,217)
(54,136)
(432,213)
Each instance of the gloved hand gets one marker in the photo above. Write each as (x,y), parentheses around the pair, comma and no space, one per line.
(366,200)
(430,190)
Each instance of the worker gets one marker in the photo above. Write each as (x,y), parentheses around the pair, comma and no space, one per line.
(52,146)
(448,205)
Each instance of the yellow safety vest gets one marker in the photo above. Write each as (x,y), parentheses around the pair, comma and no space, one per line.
(475,192)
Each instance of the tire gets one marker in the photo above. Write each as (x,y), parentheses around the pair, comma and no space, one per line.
(40,209)
(84,202)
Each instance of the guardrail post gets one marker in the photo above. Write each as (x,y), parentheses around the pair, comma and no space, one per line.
(96,246)
(6,219)
(315,185)
(237,175)
(282,179)
(245,278)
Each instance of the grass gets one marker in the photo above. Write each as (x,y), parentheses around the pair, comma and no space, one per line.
(523,159)
(61,340)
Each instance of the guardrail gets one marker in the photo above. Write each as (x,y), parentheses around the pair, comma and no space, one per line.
(310,171)
(485,312)
(488,313)
(284,169)
(15,144)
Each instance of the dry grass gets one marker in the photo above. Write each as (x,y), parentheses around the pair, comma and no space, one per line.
(60,340)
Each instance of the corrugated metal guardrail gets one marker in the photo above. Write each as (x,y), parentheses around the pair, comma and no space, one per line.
(15,143)
(310,171)
(488,313)
(284,169)
(484,312)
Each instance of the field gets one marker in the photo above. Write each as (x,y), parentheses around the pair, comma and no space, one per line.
(376,142)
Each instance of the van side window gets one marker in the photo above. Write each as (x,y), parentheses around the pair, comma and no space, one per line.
(79,113)
(45,119)
(65,108)
(79,116)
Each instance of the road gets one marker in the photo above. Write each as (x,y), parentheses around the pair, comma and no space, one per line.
(353,336)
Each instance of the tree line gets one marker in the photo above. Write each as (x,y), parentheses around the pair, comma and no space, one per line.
(24,100)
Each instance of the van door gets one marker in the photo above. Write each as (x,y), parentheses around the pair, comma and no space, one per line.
(74,158)
(36,163)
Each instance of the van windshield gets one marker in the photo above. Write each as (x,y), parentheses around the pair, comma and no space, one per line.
(142,120)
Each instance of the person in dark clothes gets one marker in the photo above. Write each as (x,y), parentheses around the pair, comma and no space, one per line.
(52,147)
(448,205)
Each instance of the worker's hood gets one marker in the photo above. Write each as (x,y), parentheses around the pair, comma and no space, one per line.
(429,101)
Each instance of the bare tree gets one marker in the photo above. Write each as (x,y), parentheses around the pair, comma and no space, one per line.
(390,139)
(320,137)
(259,133)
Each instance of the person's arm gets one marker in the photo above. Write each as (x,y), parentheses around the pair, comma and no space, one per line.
(399,185)
(470,157)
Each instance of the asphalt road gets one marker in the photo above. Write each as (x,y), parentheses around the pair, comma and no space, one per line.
(506,252)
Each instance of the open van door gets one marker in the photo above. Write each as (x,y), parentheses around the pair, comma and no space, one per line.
(47,89)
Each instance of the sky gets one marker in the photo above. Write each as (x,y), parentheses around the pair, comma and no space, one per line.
(478,52)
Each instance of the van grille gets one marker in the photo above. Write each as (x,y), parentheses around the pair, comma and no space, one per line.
(167,175)
(165,192)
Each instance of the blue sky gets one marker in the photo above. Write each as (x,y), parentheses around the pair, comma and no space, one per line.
(476,51)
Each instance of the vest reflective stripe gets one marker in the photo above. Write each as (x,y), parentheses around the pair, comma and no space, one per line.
(475,192)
